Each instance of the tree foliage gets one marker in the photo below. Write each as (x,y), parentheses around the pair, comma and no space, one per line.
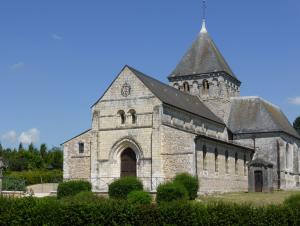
(297,124)
(31,158)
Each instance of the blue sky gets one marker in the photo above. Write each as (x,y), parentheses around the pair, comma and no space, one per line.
(58,57)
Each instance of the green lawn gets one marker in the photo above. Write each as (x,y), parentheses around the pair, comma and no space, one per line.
(258,199)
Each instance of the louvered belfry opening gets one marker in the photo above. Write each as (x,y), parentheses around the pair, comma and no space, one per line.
(128,163)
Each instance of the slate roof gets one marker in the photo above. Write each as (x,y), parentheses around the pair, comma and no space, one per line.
(176,98)
(203,57)
(253,115)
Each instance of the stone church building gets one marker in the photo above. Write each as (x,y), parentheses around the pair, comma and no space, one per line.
(198,124)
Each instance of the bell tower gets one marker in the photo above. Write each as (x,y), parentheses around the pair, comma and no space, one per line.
(204,72)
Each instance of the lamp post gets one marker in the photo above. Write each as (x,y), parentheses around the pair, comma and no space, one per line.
(1,174)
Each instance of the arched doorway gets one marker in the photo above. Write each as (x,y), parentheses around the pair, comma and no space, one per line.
(128,163)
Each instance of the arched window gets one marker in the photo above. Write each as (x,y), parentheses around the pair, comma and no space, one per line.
(245,165)
(226,162)
(205,85)
(216,160)
(121,113)
(186,87)
(236,166)
(133,116)
(204,157)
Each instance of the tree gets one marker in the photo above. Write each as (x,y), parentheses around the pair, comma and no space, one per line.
(43,151)
(56,158)
(20,147)
(297,125)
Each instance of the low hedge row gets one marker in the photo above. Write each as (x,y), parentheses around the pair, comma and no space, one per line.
(50,211)
(71,188)
(37,176)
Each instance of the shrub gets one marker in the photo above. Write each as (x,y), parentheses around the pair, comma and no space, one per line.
(38,176)
(293,201)
(139,197)
(171,192)
(83,197)
(72,188)
(120,188)
(13,184)
(190,183)
(49,211)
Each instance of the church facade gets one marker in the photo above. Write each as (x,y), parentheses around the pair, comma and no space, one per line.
(197,124)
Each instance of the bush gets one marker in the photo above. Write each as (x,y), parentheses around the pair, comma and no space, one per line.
(120,188)
(293,201)
(139,197)
(83,197)
(49,211)
(38,176)
(190,183)
(72,188)
(171,192)
(13,184)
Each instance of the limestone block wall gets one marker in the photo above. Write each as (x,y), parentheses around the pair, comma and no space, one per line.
(178,148)
(113,136)
(274,148)
(77,165)
(220,85)
(191,123)
(215,173)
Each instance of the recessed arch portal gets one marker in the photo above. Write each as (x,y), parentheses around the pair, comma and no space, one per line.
(128,163)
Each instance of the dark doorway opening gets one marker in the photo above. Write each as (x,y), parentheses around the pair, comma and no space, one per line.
(258,181)
(128,163)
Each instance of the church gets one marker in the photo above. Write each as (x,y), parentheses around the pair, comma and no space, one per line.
(198,123)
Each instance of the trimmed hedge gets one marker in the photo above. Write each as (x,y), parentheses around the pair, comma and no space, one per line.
(119,189)
(190,183)
(293,201)
(51,211)
(71,188)
(37,176)
(171,191)
(139,197)
(13,184)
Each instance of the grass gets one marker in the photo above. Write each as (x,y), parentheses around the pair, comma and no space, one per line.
(256,199)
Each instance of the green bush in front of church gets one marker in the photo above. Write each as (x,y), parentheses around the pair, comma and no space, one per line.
(71,188)
(119,189)
(191,184)
(171,191)
(293,201)
(139,197)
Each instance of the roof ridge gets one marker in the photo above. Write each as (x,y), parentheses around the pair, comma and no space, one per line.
(172,96)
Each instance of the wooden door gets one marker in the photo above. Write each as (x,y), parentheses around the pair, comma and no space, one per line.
(258,181)
(128,163)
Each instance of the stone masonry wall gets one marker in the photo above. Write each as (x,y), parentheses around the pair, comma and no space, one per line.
(217,176)
(267,145)
(112,137)
(77,165)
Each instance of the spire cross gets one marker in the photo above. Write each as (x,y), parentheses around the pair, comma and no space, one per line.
(204,10)
(203,29)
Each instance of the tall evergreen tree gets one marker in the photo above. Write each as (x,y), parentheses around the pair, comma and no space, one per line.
(31,148)
(297,124)
(43,151)
(21,147)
